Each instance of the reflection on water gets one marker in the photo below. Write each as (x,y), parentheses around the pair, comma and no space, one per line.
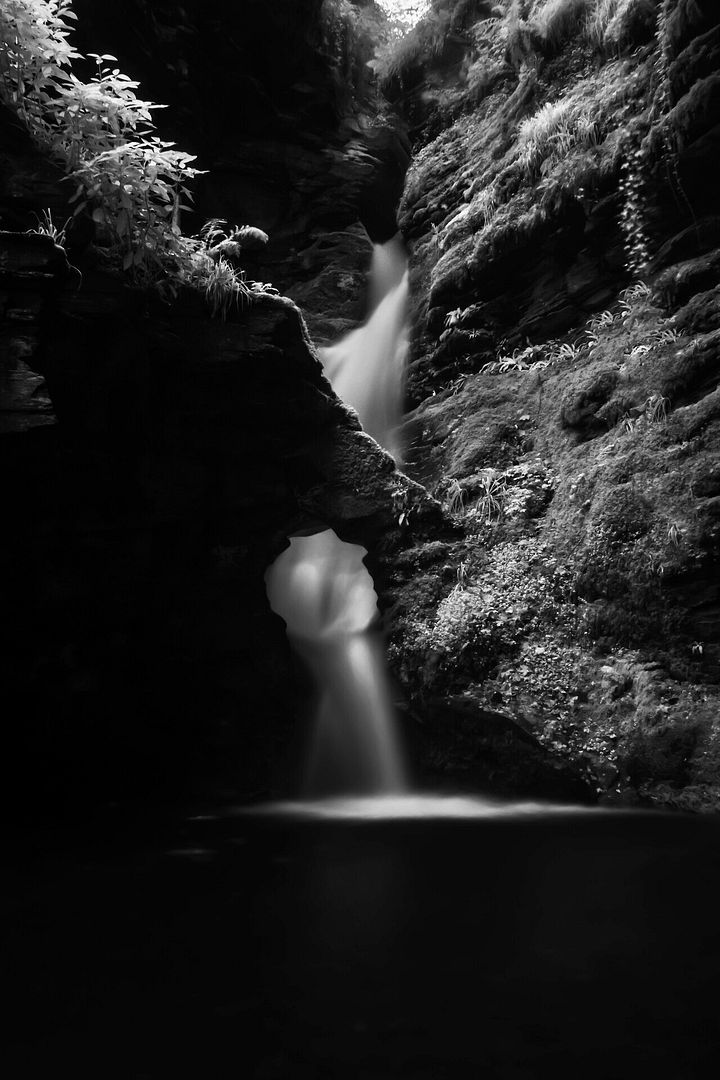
(451,939)
(411,806)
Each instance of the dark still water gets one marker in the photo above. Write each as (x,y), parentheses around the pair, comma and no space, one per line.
(277,946)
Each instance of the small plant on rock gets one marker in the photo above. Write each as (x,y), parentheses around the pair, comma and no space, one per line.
(489,506)
(674,534)
(452,318)
(135,190)
(512,363)
(223,287)
(628,423)
(635,293)
(47,227)
(222,240)
(656,409)
(566,351)
(667,336)
(455,498)
(603,320)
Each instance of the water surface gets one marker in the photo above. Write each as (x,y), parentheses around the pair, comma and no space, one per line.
(375,939)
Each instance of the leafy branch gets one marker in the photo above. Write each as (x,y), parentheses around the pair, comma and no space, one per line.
(133,184)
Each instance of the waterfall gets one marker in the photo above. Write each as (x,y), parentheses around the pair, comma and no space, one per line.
(366,367)
(320,586)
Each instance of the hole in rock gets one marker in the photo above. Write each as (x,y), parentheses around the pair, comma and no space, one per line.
(321,588)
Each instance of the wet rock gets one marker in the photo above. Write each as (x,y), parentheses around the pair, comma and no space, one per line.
(489,751)
(700,58)
(330,279)
(580,406)
(701,313)
(677,285)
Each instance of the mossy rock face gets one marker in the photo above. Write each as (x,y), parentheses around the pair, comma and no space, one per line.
(662,754)
(469,746)
(701,57)
(580,405)
(622,513)
(588,404)
(701,314)
(690,19)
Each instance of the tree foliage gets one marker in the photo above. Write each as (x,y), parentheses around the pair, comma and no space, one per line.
(132,183)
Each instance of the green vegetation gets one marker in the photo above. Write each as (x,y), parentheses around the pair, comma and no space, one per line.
(609,25)
(594,431)
(417,32)
(546,137)
(476,623)
(555,20)
(133,184)
(524,156)
(402,15)
(46,227)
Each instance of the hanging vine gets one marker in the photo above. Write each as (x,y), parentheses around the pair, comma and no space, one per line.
(652,136)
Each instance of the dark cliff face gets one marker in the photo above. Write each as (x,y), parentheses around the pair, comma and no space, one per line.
(154,462)
(566,414)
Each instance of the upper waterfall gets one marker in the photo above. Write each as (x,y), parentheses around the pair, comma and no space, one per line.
(366,367)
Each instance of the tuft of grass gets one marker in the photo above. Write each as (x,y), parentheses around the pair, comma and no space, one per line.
(223,286)
(567,351)
(552,132)
(556,20)
(656,409)
(489,506)
(455,498)
(519,360)
(47,227)
(635,293)
(667,336)
(608,26)
(601,321)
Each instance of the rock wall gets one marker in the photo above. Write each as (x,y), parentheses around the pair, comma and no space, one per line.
(562,222)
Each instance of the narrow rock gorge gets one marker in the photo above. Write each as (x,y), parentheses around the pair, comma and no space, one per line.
(546,563)
(359,430)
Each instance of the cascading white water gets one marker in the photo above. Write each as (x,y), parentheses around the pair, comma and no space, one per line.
(320,586)
(366,367)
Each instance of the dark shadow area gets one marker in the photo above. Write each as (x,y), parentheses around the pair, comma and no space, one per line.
(570,945)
